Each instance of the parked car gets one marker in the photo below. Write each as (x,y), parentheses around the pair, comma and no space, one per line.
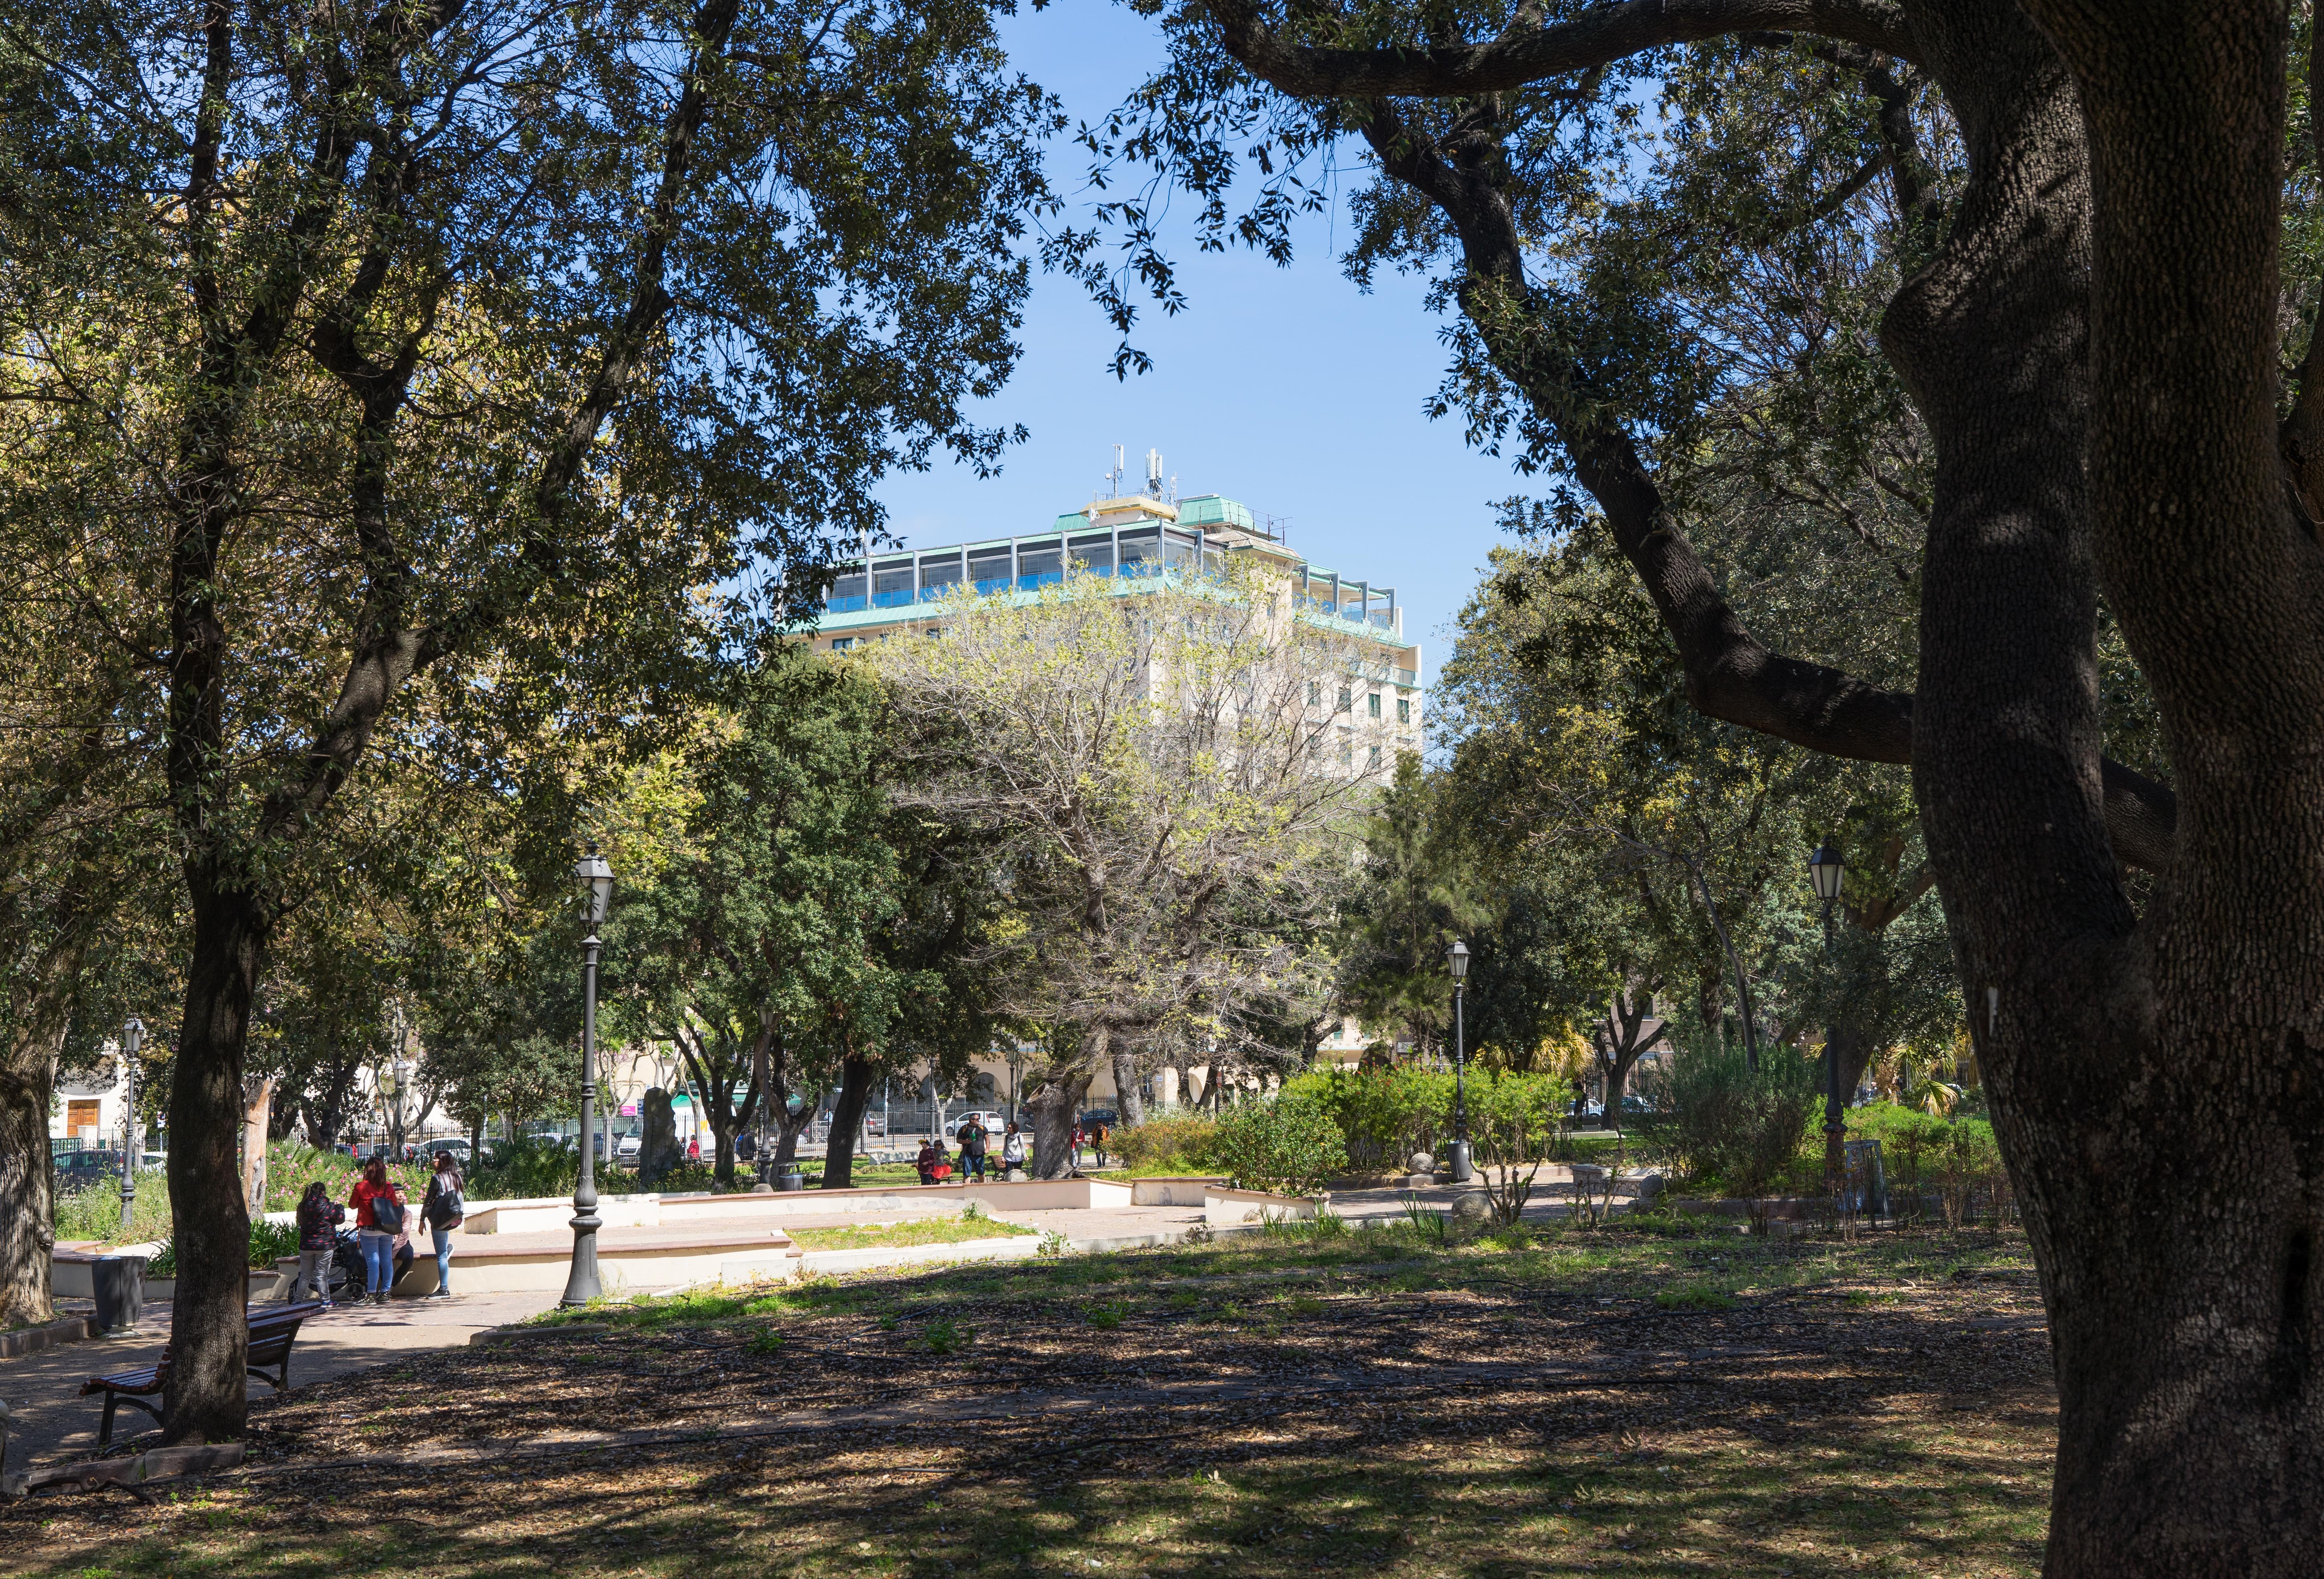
(1100,1115)
(627,1147)
(78,1171)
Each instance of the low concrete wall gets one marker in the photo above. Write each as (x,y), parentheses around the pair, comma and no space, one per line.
(1184,1190)
(1015,1247)
(533,1216)
(480,1271)
(1051,1194)
(1224,1207)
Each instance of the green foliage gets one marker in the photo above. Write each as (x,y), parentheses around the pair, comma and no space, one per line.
(1385,1113)
(1289,1146)
(270,1242)
(163,1261)
(1693,1297)
(944,1335)
(1734,1125)
(1179,1143)
(1416,895)
(525,1168)
(1948,1168)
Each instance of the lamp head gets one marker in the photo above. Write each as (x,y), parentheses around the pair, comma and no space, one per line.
(1457,957)
(1824,870)
(133,1034)
(596,879)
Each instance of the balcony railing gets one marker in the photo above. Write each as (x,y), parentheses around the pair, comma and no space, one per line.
(846,605)
(899,598)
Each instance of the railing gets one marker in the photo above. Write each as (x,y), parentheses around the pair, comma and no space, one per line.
(846,605)
(942,589)
(986,587)
(1043,578)
(899,598)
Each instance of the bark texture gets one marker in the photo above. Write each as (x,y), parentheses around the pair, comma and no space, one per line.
(846,1123)
(1130,1101)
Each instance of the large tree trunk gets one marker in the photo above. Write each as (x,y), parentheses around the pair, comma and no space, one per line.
(208,1336)
(1054,1106)
(1128,1101)
(2158,1087)
(27,1183)
(846,1123)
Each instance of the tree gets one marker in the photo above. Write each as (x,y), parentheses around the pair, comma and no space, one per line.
(753,938)
(1416,892)
(2088,328)
(467,343)
(1154,780)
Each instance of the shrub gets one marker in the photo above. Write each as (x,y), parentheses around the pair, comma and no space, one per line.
(1289,1146)
(1953,1165)
(1384,1115)
(524,1169)
(1734,1124)
(1166,1145)
(270,1241)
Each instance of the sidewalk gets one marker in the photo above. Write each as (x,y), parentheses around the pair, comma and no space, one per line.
(53,1425)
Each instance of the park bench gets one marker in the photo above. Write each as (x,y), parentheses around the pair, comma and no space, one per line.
(271,1334)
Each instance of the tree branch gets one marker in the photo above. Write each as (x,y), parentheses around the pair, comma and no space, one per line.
(1526,53)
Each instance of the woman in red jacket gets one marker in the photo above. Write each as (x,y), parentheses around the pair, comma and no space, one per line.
(379,1218)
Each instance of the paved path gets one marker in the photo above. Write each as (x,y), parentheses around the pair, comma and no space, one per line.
(51,1424)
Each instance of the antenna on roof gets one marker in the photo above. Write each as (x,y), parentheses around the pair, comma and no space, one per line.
(1154,473)
(1113,478)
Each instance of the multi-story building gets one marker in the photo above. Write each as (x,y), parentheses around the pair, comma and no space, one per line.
(1143,541)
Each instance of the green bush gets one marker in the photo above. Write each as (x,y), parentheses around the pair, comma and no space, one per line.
(1948,1167)
(1176,1144)
(1289,1146)
(268,1241)
(1740,1128)
(525,1169)
(1385,1114)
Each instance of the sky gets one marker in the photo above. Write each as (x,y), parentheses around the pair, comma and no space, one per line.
(1288,389)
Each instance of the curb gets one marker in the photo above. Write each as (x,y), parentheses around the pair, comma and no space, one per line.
(162,1463)
(30,1340)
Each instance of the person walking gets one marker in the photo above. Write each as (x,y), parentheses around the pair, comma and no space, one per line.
(927,1160)
(443,1210)
(973,1145)
(1012,1151)
(379,1219)
(1101,1135)
(319,1217)
(1073,1147)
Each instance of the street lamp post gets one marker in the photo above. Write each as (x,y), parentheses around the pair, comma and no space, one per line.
(598,892)
(1457,957)
(133,1037)
(1824,870)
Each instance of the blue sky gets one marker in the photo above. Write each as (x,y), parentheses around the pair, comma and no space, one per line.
(1286,389)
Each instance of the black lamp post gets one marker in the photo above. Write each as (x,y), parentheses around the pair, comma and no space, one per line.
(1457,957)
(1824,870)
(581,1286)
(133,1037)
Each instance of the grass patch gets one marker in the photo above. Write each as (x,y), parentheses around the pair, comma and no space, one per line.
(925,1231)
(1806,1430)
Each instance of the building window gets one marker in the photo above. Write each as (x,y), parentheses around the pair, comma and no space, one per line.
(1347,755)
(1347,700)
(1373,760)
(1374,702)
(1404,709)
(1315,693)
(842,643)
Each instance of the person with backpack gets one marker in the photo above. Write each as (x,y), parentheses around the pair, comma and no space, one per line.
(1099,1136)
(1012,1151)
(443,1210)
(973,1146)
(379,1219)
(319,1217)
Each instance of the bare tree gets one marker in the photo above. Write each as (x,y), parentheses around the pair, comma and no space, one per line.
(1164,775)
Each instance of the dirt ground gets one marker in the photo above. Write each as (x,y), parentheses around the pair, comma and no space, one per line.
(1648,1400)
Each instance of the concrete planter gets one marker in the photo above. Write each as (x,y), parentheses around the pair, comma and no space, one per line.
(1223,1207)
(1176,1190)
